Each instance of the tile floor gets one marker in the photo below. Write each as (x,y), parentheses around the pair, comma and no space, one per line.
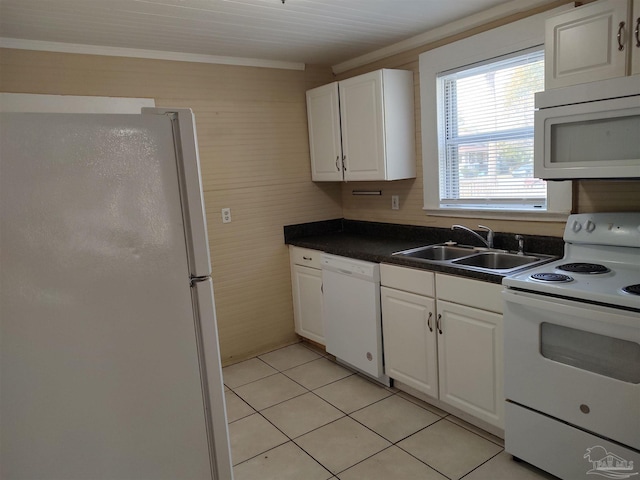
(296,415)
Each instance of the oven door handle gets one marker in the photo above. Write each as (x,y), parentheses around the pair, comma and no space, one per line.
(605,317)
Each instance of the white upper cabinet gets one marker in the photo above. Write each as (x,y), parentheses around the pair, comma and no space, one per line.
(593,42)
(323,112)
(363,128)
(635,39)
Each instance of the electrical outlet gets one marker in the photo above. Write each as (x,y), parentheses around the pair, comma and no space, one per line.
(226,215)
(395,202)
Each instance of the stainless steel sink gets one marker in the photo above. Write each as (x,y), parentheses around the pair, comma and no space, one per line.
(497,260)
(438,252)
(471,258)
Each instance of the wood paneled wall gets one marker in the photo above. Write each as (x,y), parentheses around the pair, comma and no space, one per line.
(252,134)
(589,196)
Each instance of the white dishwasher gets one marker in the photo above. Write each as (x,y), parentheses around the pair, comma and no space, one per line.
(351,314)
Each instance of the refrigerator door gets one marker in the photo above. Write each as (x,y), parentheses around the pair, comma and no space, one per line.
(99,362)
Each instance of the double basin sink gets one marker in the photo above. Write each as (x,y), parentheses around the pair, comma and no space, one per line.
(474,258)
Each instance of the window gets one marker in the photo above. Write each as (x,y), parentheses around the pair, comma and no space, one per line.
(486,134)
(477,126)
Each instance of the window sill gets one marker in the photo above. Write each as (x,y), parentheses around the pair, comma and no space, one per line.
(528,215)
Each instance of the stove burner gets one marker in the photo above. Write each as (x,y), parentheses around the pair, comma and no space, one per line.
(632,289)
(551,277)
(583,268)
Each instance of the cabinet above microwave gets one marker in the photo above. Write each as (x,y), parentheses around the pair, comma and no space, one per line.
(588,131)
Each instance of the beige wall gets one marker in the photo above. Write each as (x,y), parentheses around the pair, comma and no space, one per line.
(589,196)
(253,143)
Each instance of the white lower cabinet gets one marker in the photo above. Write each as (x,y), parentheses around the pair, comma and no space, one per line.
(470,367)
(306,286)
(408,322)
(443,337)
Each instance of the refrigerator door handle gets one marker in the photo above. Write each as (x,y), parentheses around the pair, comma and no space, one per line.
(211,377)
(194,280)
(188,164)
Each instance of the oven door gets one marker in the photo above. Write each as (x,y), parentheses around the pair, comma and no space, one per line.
(574,361)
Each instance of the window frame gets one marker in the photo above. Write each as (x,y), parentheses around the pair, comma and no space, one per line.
(502,41)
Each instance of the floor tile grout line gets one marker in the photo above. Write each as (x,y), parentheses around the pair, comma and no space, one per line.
(379,434)
(261,453)
(299,342)
(275,404)
(470,430)
(301,448)
(422,461)
(478,466)
(252,381)
(283,373)
(446,414)
(333,381)
(373,403)
(363,460)
(243,401)
(295,366)
(387,448)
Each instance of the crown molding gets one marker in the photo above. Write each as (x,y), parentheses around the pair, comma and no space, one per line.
(23,44)
(444,31)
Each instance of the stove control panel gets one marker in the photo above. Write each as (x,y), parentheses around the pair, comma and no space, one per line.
(620,229)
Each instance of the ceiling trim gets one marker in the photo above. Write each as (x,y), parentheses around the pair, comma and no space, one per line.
(444,31)
(23,44)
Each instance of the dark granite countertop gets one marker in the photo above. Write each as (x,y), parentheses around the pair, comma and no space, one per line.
(376,242)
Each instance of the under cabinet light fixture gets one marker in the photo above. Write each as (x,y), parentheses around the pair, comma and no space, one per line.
(366,192)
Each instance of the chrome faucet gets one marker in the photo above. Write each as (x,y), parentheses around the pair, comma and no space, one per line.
(520,240)
(488,242)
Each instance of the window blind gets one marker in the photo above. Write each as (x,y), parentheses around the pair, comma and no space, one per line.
(486,134)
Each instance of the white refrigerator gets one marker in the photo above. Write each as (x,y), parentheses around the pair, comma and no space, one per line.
(109,358)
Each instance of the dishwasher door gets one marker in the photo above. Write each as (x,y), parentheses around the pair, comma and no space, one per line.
(351,313)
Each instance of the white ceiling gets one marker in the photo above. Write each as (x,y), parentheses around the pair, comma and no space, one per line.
(324,32)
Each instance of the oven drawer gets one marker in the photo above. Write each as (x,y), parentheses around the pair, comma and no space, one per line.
(563,450)
(576,362)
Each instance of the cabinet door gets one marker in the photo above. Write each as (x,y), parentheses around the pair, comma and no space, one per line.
(323,116)
(635,38)
(307,302)
(470,361)
(361,113)
(408,325)
(581,45)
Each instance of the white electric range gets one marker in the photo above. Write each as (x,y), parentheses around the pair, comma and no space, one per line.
(572,353)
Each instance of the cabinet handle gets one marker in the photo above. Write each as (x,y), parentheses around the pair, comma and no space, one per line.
(439,323)
(620,33)
(307,258)
(337,165)
(322,288)
(429,321)
(637,32)
(344,163)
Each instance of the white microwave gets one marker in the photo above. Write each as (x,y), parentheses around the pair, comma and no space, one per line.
(590,130)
